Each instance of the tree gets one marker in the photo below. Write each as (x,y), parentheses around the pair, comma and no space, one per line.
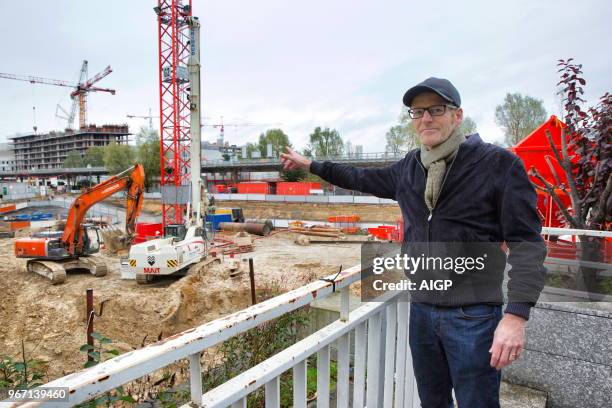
(518,116)
(94,156)
(293,175)
(118,157)
(326,143)
(73,159)
(144,134)
(277,138)
(397,139)
(586,159)
(412,138)
(250,148)
(468,126)
(149,157)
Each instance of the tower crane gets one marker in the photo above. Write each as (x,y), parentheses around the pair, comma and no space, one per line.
(149,116)
(78,95)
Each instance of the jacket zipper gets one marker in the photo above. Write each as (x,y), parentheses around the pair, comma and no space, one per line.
(441,187)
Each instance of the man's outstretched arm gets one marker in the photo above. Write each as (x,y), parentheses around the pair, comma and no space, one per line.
(380,182)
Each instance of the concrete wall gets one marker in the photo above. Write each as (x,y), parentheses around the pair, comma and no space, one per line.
(568,354)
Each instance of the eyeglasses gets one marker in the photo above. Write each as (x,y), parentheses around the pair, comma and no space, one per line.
(434,110)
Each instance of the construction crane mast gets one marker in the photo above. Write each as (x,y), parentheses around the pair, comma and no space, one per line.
(174,22)
(78,95)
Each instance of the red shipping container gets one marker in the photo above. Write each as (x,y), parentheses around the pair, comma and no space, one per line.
(256,187)
(296,187)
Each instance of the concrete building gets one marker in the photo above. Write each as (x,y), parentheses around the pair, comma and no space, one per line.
(7,158)
(49,150)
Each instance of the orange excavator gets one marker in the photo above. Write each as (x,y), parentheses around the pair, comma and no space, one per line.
(52,253)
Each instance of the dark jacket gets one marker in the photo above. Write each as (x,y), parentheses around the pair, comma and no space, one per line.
(486,196)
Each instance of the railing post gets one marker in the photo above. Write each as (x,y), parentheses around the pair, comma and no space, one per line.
(323,378)
(342,380)
(344,304)
(272,393)
(411,398)
(401,350)
(195,378)
(241,403)
(299,384)
(360,359)
(390,354)
(373,359)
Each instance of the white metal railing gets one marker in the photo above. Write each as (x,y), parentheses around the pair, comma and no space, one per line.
(380,331)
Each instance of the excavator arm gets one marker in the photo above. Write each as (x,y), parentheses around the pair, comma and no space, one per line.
(131,180)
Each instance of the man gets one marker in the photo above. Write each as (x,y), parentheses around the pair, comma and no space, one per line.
(457,189)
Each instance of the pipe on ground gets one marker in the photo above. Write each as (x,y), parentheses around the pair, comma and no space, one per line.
(251,228)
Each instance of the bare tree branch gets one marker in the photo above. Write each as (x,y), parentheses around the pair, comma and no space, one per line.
(553,194)
(599,213)
(566,165)
(554,173)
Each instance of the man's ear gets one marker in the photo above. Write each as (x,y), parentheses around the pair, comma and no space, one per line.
(459,116)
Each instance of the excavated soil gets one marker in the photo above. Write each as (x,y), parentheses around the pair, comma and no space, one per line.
(50,320)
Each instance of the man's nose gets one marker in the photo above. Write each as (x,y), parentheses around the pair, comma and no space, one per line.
(426,117)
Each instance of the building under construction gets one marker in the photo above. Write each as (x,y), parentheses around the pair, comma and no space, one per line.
(48,151)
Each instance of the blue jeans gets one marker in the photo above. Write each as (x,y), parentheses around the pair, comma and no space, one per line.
(450,350)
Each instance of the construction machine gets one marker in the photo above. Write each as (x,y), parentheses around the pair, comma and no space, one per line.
(184,245)
(52,253)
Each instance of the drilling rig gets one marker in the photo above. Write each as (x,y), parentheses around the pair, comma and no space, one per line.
(184,244)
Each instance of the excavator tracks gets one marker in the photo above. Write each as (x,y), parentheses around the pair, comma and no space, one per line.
(51,270)
(56,270)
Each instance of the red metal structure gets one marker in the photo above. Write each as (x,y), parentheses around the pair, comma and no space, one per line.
(534,150)
(174,36)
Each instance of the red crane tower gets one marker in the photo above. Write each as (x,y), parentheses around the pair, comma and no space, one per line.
(173,22)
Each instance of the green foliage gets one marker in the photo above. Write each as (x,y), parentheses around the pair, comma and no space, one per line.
(94,156)
(250,148)
(144,134)
(118,157)
(277,138)
(326,143)
(149,157)
(397,140)
(100,351)
(254,346)
(20,374)
(468,126)
(311,376)
(518,116)
(73,159)
(293,175)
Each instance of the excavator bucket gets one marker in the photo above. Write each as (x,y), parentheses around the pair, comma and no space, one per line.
(115,240)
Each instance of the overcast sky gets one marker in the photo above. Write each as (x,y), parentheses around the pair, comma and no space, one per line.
(297,65)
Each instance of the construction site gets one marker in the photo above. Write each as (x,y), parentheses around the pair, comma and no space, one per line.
(217,281)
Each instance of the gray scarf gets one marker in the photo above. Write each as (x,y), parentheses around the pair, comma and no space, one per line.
(434,160)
